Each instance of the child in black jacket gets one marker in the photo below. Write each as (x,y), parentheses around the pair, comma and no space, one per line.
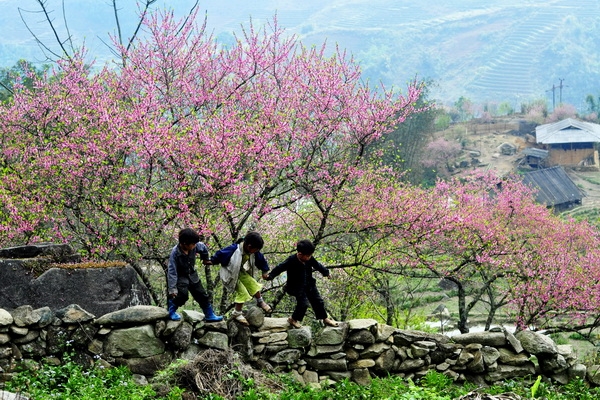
(301,284)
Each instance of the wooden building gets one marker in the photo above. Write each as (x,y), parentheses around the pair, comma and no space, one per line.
(570,142)
(554,188)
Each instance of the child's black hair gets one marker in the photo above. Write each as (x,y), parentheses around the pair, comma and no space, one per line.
(188,236)
(305,246)
(254,240)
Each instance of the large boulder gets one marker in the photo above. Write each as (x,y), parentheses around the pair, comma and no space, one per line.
(34,275)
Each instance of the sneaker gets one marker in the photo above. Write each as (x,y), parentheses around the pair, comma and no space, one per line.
(239,317)
(295,324)
(330,322)
(266,308)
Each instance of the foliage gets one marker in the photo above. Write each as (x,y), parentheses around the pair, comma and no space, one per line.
(221,139)
(20,75)
(562,111)
(71,381)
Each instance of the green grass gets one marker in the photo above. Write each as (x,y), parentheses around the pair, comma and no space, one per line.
(70,381)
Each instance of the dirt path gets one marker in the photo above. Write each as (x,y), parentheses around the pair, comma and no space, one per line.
(589,183)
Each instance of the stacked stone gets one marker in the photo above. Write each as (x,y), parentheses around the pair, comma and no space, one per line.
(141,337)
(144,339)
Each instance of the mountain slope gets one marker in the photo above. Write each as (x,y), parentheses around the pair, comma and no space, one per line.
(507,50)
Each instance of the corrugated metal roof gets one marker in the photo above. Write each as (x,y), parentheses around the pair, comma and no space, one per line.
(553,186)
(532,151)
(568,131)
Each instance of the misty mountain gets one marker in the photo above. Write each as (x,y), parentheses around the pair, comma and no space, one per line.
(507,50)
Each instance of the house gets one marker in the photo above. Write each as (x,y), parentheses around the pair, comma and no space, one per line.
(554,188)
(570,143)
(535,158)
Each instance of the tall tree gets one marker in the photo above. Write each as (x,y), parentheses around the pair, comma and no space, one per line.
(187,133)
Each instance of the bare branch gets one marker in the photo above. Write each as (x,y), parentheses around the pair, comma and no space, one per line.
(61,43)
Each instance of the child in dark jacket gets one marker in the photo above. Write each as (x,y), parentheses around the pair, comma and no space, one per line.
(301,284)
(183,278)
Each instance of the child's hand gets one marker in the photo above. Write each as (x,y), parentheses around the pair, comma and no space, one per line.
(265,276)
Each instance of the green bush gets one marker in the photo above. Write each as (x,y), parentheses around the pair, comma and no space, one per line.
(72,381)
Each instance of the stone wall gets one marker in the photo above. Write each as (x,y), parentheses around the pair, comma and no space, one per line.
(143,338)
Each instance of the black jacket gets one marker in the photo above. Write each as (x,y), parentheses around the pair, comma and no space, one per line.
(299,275)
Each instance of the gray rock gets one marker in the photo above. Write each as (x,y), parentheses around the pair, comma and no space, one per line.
(339,376)
(73,314)
(512,340)
(316,351)
(536,343)
(133,315)
(274,324)
(361,376)
(35,349)
(490,355)
(24,316)
(385,361)
(494,339)
(191,352)
(363,324)
(193,317)
(577,371)
(593,374)
(51,251)
(553,365)
(476,365)
(326,364)
(299,338)
(136,342)
(274,337)
(288,356)
(29,337)
(46,316)
(170,327)
(4,338)
(406,337)
(418,350)
(98,290)
(362,337)
(4,395)
(505,372)
(147,366)
(215,340)
(182,337)
(331,335)
(255,316)
(411,365)
(363,363)
(509,357)
(384,332)
(375,350)
(310,377)
(5,318)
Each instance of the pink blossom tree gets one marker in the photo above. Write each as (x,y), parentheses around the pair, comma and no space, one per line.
(186,132)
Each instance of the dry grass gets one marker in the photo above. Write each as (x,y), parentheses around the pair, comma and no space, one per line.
(221,373)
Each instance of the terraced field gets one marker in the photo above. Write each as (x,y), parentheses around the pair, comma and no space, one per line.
(506,50)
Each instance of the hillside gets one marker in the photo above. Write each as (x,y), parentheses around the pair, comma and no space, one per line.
(507,50)
(486,139)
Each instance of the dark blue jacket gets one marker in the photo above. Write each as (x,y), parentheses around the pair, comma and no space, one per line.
(224,255)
